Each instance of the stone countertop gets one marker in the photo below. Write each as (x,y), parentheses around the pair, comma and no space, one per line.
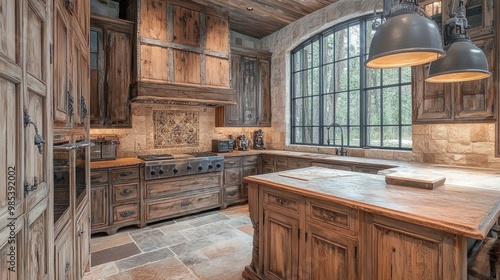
(458,209)
(119,162)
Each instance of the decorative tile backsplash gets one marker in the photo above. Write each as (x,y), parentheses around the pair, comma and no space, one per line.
(174,128)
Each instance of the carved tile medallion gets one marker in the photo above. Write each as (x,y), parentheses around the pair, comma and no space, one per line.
(174,128)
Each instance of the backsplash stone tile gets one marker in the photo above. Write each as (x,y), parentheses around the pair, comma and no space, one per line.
(173,128)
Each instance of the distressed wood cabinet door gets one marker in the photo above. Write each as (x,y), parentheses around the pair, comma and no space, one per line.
(281,246)
(99,208)
(329,254)
(25,134)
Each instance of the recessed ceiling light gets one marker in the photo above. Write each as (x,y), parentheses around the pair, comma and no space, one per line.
(250,8)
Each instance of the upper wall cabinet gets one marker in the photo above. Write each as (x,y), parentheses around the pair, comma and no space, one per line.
(251,78)
(182,53)
(459,102)
(110,71)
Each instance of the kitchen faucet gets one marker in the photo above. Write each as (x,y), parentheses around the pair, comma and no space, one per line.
(343,150)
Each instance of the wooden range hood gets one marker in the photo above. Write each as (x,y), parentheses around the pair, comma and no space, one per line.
(182,54)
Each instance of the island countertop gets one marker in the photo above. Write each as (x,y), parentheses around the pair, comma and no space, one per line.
(455,208)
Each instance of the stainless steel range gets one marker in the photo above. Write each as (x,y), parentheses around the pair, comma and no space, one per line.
(165,166)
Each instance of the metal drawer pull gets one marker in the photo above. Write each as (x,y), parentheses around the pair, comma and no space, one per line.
(282,201)
(126,191)
(29,188)
(66,269)
(185,203)
(231,162)
(128,213)
(38,137)
(95,177)
(123,174)
(251,160)
(232,193)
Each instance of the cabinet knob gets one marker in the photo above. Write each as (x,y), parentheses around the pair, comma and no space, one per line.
(126,214)
(81,232)
(126,191)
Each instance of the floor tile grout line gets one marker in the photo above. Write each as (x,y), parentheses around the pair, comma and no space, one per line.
(189,269)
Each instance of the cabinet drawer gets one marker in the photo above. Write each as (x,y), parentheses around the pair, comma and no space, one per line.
(125,192)
(165,208)
(124,174)
(332,215)
(282,162)
(126,213)
(98,177)
(250,160)
(283,202)
(231,193)
(294,163)
(232,162)
(267,161)
(179,185)
(232,176)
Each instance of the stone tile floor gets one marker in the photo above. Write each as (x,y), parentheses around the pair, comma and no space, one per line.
(211,245)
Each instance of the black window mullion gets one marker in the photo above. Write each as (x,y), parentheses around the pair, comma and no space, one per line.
(362,89)
(321,92)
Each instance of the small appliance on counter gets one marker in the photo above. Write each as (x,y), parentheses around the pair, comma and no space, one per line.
(104,147)
(258,140)
(242,143)
(222,145)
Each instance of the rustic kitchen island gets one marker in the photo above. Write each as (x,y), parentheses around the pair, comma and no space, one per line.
(318,223)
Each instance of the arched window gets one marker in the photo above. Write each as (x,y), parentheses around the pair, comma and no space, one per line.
(333,92)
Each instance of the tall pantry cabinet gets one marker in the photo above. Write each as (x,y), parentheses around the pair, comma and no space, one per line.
(26,229)
(71,75)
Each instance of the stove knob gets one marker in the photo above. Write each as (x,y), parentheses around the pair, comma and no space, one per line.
(210,166)
(161,171)
(152,172)
(189,167)
(175,170)
(218,165)
(200,168)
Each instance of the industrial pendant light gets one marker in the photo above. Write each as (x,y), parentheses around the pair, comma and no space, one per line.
(463,61)
(405,38)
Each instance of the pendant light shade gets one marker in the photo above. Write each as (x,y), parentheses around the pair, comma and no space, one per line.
(405,39)
(463,61)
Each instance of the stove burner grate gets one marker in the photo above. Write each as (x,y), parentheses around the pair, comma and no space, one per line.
(155,157)
(203,154)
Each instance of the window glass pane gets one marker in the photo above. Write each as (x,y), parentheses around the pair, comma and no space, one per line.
(354,70)
(391,136)
(328,78)
(328,106)
(93,61)
(297,59)
(406,75)
(373,134)
(354,136)
(341,44)
(369,33)
(315,110)
(307,82)
(373,77)
(328,45)
(315,137)
(308,135)
(93,41)
(373,106)
(391,105)
(390,76)
(316,54)
(298,111)
(315,81)
(354,116)
(307,56)
(297,88)
(298,135)
(308,106)
(341,75)
(406,140)
(341,102)
(354,46)
(474,12)
(406,105)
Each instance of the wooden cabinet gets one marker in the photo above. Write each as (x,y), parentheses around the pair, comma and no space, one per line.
(64,269)
(116,198)
(467,101)
(272,164)
(82,241)
(235,169)
(251,78)
(182,53)
(110,71)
